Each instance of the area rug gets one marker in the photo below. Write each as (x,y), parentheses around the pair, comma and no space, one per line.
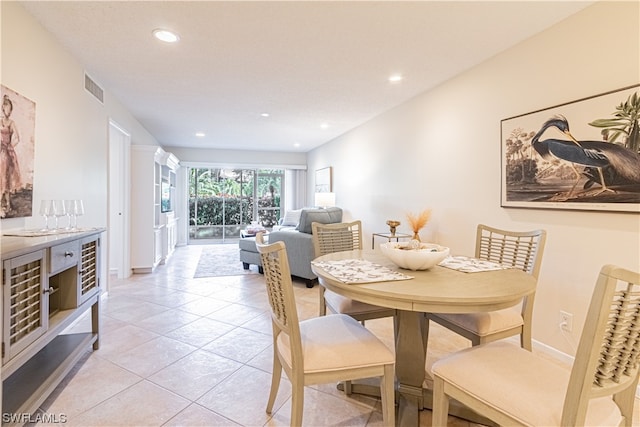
(221,260)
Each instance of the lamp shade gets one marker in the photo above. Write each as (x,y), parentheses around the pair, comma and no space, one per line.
(325,200)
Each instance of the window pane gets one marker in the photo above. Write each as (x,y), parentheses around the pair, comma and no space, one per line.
(224,201)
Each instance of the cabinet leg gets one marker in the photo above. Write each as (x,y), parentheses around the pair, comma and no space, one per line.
(95,322)
(245,265)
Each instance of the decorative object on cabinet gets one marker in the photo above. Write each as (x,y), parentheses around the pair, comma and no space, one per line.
(17,129)
(594,165)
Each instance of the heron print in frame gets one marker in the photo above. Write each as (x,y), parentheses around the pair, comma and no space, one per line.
(580,155)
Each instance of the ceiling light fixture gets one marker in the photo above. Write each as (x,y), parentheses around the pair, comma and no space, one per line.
(324,125)
(265,114)
(395,78)
(165,35)
(200,134)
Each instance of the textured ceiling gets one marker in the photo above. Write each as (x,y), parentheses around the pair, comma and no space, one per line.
(303,62)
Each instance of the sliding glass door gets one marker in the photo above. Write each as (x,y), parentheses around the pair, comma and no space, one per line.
(224,201)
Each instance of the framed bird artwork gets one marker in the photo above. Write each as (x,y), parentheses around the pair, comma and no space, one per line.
(581,155)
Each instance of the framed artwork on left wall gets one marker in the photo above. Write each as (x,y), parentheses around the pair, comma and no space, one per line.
(17,129)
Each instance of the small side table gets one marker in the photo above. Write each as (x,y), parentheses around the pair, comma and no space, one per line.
(389,237)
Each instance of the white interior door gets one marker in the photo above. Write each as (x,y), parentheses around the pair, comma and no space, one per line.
(119,194)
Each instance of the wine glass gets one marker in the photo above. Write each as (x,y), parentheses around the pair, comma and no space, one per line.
(78,210)
(68,206)
(46,210)
(59,210)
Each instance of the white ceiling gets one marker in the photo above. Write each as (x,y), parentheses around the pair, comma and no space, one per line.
(303,62)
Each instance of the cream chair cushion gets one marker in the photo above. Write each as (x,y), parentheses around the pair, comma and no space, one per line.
(336,342)
(340,304)
(535,395)
(486,323)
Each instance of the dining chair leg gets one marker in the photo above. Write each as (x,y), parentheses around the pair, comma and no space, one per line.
(275,382)
(625,401)
(348,388)
(525,337)
(297,402)
(440,404)
(387,392)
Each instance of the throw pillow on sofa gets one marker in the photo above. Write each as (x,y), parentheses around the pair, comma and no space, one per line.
(322,215)
(291,218)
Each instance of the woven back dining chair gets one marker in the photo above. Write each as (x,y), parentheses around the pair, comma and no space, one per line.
(514,249)
(322,349)
(337,237)
(518,387)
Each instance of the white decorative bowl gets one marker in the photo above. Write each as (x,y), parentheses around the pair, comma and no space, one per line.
(428,255)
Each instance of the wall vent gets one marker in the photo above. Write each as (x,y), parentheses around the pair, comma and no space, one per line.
(93,88)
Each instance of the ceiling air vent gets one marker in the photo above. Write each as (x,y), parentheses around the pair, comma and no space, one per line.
(93,88)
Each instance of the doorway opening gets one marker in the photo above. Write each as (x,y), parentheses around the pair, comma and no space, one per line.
(224,201)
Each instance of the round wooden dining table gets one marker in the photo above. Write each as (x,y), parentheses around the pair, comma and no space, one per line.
(436,290)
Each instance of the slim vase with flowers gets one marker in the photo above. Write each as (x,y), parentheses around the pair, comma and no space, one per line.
(417,222)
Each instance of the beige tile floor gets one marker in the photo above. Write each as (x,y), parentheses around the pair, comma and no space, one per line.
(178,351)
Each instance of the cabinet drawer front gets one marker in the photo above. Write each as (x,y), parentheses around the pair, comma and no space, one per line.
(64,256)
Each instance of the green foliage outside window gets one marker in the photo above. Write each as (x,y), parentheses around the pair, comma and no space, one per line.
(227,197)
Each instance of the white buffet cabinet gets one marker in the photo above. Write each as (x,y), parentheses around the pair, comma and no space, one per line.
(48,282)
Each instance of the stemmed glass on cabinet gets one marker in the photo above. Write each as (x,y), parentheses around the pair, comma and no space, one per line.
(46,210)
(59,210)
(69,208)
(77,210)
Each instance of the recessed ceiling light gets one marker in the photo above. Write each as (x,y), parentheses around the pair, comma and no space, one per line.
(297,144)
(200,134)
(165,35)
(324,125)
(395,78)
(265,114)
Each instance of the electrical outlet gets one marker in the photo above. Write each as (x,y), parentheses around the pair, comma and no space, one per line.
(566,321)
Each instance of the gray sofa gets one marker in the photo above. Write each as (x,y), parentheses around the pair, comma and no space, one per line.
(298,241)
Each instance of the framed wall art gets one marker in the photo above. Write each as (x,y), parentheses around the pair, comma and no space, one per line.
(17,128)
(580,155)
(323,180)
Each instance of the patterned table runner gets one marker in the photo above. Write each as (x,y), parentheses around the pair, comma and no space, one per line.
(470,265)
(359,271)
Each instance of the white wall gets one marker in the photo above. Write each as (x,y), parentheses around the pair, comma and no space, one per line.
(71,135)
(441,151)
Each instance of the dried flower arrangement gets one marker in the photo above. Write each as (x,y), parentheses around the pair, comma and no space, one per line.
(417,222)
